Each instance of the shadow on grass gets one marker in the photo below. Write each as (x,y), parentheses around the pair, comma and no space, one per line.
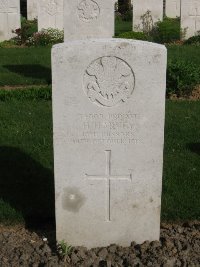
(35,71)
(194,147)
(27,186)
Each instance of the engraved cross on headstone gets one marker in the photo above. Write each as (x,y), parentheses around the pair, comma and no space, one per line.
(107,177)
(196,16)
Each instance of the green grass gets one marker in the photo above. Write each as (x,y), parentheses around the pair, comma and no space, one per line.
(25,66)
(26,159)
(181,184)
(122,26)
(188,53)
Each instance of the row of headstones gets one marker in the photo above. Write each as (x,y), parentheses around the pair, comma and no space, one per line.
(50,14)
(187,10)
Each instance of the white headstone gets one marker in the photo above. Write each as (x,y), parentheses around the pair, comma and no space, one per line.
(31,9)
(50,14)
(88,19)
(190,17)
(146,13)
(9,18)
(173,8)
(108,114)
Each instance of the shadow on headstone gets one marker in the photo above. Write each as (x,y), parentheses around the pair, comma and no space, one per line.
(194,147)
(35,71)
(27,186)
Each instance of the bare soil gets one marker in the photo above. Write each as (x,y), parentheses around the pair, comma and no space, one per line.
(179,245)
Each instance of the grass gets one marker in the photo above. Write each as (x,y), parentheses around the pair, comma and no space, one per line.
(32,66)
(25,66)
(26,159)
(188,53)
(181,183)
(122,26)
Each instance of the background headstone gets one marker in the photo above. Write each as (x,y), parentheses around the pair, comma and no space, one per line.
(190,17)
(108,116)
(173,8)
(31,9)
(88,19)
(50,14)
(9,18)
(141,8)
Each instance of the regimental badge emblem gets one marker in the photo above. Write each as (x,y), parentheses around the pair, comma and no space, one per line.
(109,81)
(51,7)
(88,10)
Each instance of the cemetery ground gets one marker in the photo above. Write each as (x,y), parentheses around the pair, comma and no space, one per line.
(27,222)
(27,191)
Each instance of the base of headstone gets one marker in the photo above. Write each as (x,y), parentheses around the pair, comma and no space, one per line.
(108,116)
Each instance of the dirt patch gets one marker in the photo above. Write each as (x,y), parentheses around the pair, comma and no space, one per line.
(179,245)
(195,95)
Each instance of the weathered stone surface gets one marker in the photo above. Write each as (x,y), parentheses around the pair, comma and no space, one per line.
(173,8)
(190,17)
(146,13)
(9,18)
(90,19)
(32,9)
(50,14)
(108,114)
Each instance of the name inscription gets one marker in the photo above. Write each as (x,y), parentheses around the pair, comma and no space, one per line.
(100,128)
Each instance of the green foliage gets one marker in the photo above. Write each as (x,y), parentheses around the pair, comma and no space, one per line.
(166,31)
(63,248)
(41,93)
(46,37)
(182,77)
(194,40)
(127,16)
(28,28)
(134,35)
(8,215)
(122,26)
(8,44)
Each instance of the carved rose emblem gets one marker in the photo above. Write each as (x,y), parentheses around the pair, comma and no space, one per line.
(88,10)
(51,7)
(109,81)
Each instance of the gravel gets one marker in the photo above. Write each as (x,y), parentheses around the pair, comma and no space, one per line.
(179,245)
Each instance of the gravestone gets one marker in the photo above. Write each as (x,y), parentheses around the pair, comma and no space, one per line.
(92,18)
(50,14)
(31,9)
(190,17)
(173,8)
(108,120)
(146,13)
(9,18)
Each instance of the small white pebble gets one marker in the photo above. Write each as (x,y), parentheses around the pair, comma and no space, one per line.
(44,239)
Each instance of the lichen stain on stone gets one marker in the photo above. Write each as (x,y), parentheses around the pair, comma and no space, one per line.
(72,199)
(151,200)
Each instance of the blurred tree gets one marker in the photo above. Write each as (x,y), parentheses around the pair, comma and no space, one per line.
(23,8)
(124,6)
